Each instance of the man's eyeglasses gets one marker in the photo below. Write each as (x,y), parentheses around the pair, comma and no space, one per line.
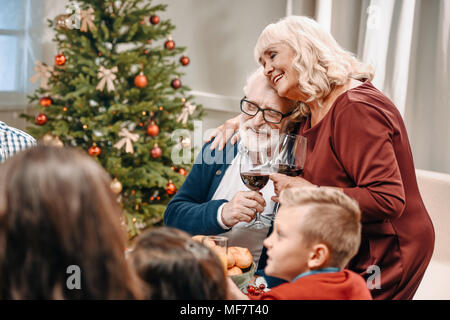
(269,115)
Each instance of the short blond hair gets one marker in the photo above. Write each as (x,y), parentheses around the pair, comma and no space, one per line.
(321,62)
(332,218)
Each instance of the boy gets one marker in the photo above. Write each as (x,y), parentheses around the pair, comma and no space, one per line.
(316,233)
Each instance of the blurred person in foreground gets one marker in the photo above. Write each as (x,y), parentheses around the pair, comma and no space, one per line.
(57,213)
(176,267)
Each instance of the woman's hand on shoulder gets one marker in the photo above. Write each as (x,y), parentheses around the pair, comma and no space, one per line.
(224,132)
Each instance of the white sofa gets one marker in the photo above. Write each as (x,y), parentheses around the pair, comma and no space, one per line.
(435,191)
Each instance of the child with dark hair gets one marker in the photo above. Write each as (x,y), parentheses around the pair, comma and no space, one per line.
(58,215)
(177,267)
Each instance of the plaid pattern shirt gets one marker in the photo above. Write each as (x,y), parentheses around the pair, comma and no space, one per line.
(13,140)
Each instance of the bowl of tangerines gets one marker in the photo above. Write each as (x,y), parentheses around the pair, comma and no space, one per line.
(237,261)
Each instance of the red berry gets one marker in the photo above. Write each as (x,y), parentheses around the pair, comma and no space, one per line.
(251,289)
(262,286)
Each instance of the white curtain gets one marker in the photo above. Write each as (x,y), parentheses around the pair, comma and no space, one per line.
(408,43)
(386,43)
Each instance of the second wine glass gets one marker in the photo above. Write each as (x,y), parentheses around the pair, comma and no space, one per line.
(290,157)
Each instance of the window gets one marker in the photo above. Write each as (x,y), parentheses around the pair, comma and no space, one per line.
(20,24)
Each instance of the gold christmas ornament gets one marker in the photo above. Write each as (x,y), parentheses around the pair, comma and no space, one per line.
(63,22)
(58,143)
(47,138)
(50,140)
(116,186)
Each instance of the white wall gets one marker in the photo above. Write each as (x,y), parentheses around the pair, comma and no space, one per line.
(428,104)
(220,36)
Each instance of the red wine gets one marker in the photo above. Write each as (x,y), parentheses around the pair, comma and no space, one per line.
(289,170)
(255,180)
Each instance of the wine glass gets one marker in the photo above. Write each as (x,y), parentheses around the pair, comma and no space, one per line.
(219,245)
(255,169)
(290,157)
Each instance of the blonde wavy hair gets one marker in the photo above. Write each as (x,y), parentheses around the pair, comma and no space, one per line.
(321,62)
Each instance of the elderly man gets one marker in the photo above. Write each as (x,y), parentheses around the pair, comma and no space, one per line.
(213,200)
(13,140)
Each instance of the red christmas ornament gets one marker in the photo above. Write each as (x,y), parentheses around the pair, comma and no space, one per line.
(152,129)
(184,60)
(60,59)
(170,188)
(176,83)
(45,101)
(182,171)
(94,150)
(140,80)
(169,44)
(156,152)
(40,119)
(154,19)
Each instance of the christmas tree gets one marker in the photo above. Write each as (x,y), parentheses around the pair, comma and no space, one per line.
(115,91)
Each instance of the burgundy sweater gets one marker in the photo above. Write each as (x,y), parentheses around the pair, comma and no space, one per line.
(361,145)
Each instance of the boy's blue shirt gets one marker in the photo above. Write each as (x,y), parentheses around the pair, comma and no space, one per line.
(311,272)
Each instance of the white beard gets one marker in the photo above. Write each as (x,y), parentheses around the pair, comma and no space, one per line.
(265,138)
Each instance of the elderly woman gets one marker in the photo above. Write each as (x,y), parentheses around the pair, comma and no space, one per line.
(213,200)
(357,142)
